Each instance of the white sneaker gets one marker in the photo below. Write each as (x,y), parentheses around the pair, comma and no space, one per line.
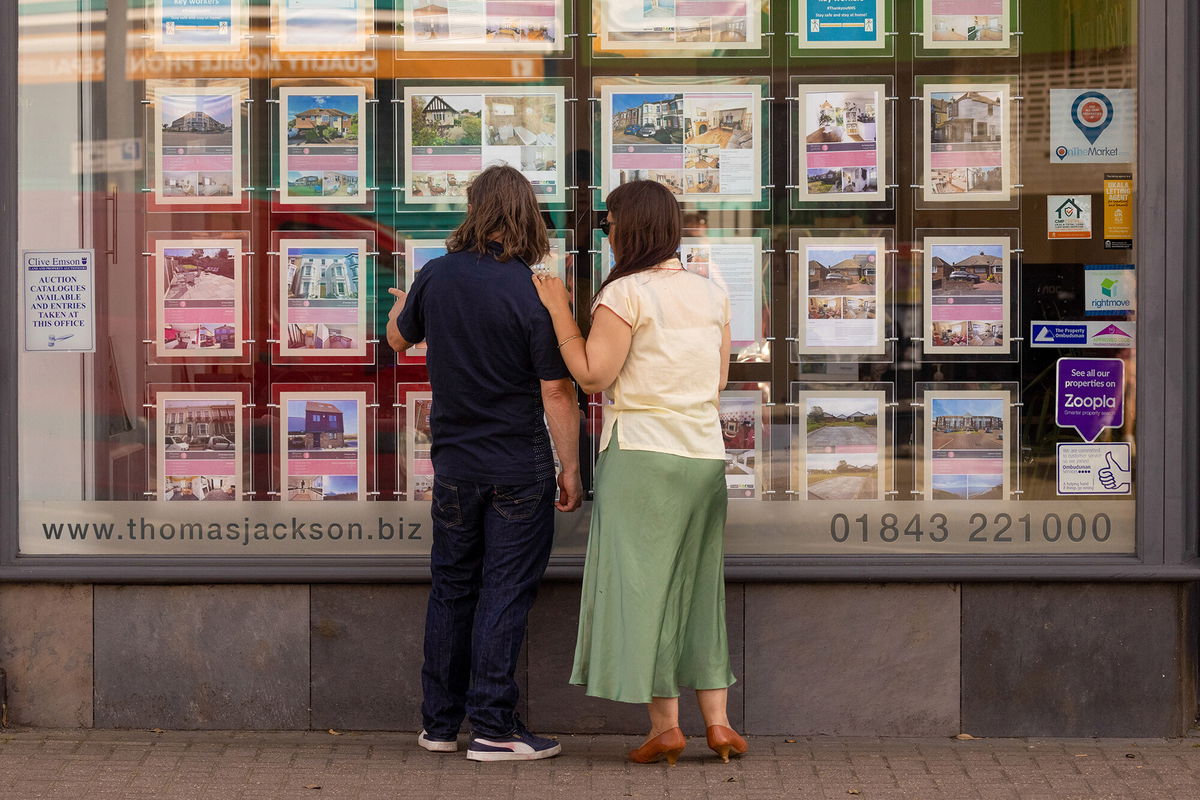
(437,745)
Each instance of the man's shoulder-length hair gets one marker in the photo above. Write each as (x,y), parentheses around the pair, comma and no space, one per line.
(502,209)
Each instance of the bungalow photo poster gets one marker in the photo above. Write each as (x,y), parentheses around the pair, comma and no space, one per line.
(967,295)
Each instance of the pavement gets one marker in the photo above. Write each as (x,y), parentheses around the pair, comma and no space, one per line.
(255,765)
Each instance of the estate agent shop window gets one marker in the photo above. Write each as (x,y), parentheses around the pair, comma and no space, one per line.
(923,212)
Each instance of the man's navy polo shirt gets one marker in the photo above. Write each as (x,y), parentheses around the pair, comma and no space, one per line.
(490,341)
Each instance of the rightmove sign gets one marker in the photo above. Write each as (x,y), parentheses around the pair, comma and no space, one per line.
(1048,333)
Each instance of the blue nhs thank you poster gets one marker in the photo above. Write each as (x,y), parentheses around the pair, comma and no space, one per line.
(842,21)
(195,23)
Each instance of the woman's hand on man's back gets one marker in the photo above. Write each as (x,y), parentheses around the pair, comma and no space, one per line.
(553,294)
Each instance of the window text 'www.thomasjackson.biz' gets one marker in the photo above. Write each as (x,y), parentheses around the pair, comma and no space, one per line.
(244,531)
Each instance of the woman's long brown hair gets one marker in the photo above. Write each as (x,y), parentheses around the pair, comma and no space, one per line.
(502,208)
(647,230)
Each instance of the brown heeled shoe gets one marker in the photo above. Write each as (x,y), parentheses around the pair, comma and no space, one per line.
(668,745)
(723,741)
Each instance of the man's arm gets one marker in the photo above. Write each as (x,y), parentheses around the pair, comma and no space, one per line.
(562,414)
(394,339)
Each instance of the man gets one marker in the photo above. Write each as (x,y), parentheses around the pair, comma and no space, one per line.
(496,376)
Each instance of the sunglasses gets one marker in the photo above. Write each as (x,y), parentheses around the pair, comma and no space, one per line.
(605,225)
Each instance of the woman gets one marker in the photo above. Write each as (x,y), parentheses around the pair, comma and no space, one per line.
(652,618)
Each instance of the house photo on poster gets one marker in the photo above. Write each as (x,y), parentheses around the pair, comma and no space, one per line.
(841,24)
(187,26)
(197,144)
(198,290)
(840,296)
(842,143)
(491,25)
(323,152)
(840,446)
(967,143)
(451,133)
(692,25)
(700,141)
(741,429)
(323,25)
(419,251)
(967,292)
(418,444)
(322,445)
(966,24)
(735,264)
(967,445)
(200,445)
(322,297)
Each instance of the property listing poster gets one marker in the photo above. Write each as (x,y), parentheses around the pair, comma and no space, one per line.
(322,297)
(198,288)
(967,295)
(841,449)
(967,438)
(198,143)
(735,264)
(323,445)
(741,428)
(324,157)
(966,24)
(200,445)
(451,133)
(841,296)
(843,146)
(419,252)
(841,24)
(210,26)
(504,25)
(680,24)
(701,142)
(967,143)
(418,443)
(323,25)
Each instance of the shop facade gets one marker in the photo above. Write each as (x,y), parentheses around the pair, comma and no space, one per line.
(961,431)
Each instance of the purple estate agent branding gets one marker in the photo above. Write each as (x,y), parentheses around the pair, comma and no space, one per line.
(1089,395)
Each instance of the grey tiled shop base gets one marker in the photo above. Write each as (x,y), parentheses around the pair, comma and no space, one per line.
(1061,659)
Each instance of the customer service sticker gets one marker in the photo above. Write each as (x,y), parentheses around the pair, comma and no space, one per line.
(1089,395)
(59,313)
(1109,289)
(1104,468)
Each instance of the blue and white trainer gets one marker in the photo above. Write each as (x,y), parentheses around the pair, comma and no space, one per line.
(437,745)
(520,745)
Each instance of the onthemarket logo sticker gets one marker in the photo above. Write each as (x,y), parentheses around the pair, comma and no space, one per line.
(1090,126)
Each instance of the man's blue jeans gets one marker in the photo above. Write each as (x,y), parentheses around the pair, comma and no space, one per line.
(491,545)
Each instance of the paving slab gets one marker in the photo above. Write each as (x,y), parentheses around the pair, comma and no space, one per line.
(266,765)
